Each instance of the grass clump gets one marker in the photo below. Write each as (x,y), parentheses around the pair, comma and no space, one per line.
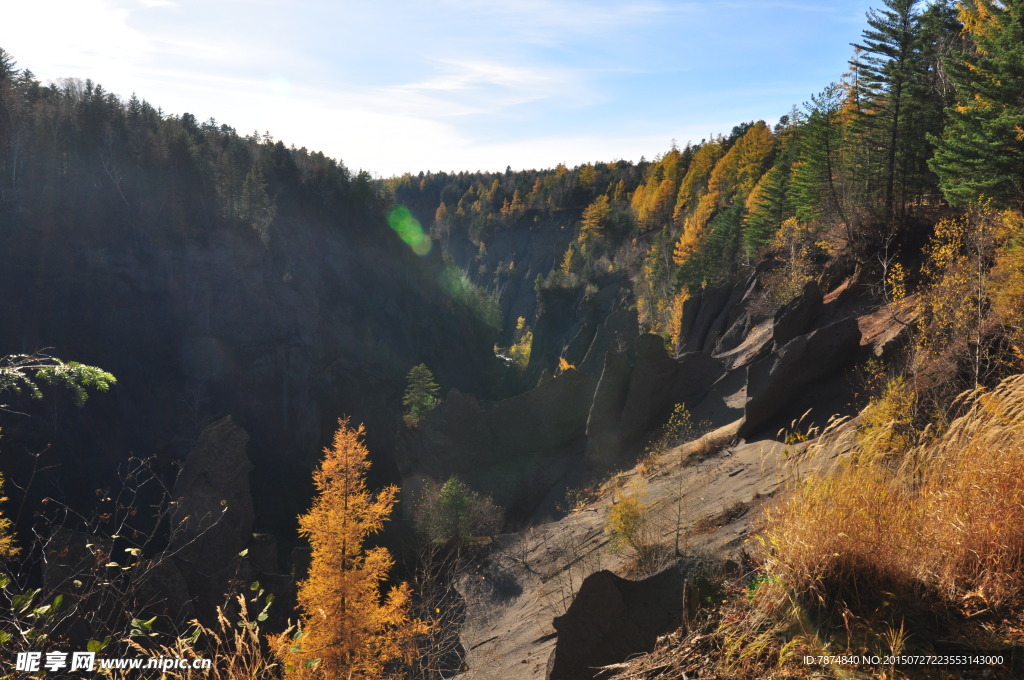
(908,543)
(946,514)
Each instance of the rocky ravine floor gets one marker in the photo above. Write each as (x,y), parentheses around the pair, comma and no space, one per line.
(708,507)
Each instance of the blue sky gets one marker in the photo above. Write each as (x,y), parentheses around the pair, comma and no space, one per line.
(395,87)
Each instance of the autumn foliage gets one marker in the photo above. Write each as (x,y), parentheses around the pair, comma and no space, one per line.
(349,630)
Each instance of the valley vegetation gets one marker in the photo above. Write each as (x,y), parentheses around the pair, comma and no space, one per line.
(904,178)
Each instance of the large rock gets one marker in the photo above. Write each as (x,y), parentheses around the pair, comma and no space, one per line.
(515,450)
(604,430)
(214,512)
(659,382)
(612,619)
(617,334)
(580,327)
(778,379)
(625,414)
(798,317)
(725,318)
(709,304)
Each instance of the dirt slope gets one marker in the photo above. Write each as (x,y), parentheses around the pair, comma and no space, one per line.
(531,578)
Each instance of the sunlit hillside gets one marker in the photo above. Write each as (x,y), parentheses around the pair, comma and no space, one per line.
(749,408)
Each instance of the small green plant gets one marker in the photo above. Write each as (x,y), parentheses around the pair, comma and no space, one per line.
(421,396)
(628,518)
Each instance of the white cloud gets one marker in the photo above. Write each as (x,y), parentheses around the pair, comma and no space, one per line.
(74,36)
(458,84)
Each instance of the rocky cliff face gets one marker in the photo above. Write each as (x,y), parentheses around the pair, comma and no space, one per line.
(737,366)
(323,321)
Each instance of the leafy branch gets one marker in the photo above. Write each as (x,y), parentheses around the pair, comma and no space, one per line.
(23,373)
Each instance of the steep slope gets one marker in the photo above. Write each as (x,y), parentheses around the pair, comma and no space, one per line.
(213,275)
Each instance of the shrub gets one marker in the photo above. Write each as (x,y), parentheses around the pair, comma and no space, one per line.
(452,514)
(627,519)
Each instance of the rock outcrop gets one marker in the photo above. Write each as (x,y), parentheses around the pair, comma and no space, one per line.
(612,618)
(214,512)
(212,544)
(633,401)
(776,380)
(515,450)
(797,317)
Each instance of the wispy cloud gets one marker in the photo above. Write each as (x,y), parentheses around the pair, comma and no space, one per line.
(452,84)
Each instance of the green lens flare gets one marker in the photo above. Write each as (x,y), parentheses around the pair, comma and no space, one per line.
(409,230)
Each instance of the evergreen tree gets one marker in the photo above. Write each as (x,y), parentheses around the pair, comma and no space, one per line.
(256,207)
(884,69)
(813,190)
(981,152)
(421,395)
(767,207)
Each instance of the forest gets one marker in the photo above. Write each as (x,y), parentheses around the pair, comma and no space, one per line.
(303,422)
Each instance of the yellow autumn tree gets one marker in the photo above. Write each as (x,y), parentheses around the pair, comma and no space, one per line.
(695,180)
(675,319)
(349,630)
(595,218)
(653,200)
(734,176)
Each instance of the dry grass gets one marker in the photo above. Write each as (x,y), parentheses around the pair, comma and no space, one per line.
(911,542)
(236,649)
(945,516)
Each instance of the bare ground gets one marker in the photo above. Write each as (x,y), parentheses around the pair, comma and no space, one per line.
(708,507)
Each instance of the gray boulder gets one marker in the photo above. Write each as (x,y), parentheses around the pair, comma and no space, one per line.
(630,404)
(778,379)
(612,619)
(214,512)
(798,316)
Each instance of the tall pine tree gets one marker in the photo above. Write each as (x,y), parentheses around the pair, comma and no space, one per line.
(981,152)
(884,68)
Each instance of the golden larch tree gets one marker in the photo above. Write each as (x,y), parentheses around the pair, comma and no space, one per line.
(595,218)
(348,629)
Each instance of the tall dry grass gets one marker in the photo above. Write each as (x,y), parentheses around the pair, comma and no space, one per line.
(237,649)
(945,516)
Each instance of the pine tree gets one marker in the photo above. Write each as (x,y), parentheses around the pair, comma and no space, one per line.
(421,395)
(767,207)
(256,207)
(813,190)
(981,151)
(595,218)
(349,630)
(884,70)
